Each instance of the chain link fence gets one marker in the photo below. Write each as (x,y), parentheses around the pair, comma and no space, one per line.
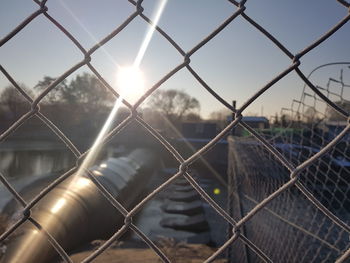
(258,207)
(291,228)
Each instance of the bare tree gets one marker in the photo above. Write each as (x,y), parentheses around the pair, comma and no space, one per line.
(285,120)
(310,115)
(85,89)
(174,104)
(12,103)
(220,117)
(333,115)
(84,99)
(55,95)
(88,90)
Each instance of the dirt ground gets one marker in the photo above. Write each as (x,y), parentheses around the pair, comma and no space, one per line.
(176,252)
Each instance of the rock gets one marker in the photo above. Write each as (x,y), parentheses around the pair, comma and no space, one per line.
(184,196)
(195,224)
(185,208)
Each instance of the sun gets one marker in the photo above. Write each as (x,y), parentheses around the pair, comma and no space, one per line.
(131,83)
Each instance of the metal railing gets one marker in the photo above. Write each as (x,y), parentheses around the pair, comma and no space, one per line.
(237,226)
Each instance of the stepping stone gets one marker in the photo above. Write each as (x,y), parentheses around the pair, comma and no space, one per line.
(181,182)
(194,224)
(184,196)
(191,208)
(182,188)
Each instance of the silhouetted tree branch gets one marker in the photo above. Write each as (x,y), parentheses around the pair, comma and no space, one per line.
(174,104)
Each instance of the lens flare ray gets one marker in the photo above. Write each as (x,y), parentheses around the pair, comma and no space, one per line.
(149,34)
(130,80)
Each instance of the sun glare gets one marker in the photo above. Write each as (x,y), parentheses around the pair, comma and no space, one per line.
(131,83)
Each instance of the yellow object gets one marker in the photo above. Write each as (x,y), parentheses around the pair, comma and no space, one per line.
(217,191)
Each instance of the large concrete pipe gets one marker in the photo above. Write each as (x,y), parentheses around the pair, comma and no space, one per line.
(75,212)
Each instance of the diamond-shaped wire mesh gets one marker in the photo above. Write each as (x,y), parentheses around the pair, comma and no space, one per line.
(291,228)
(257,207)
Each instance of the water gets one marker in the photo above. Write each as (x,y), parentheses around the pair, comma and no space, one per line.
(24,164)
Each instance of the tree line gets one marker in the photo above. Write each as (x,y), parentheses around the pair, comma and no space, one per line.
(83,104)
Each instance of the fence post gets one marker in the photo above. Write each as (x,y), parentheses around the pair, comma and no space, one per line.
(233,116)
(233,193)
(229,200)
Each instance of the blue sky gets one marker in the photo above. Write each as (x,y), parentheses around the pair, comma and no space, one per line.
(236,63)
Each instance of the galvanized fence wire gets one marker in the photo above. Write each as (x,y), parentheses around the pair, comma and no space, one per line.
(290,228)
(184,164)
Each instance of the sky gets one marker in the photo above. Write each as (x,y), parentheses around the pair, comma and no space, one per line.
(236,63)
